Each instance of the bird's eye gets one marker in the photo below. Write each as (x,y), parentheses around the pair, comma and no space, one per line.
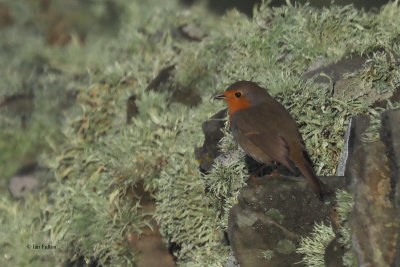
(238,94)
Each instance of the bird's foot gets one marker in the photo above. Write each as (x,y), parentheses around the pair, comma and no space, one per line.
(275,173)
(252,179)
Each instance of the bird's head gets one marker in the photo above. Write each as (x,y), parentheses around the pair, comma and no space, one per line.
(243,95)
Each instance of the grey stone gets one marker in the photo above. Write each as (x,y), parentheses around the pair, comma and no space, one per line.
(131,109)
(344,155)
(390,135)
(206,154)
(336,70)
(231,262)
(24,181)
(352,87)
(271,215)
(334,254)
(352,139)
(179,94)
(21,185)
(357,127)
(21,105)
(192,32)
(373,221)
(162,77)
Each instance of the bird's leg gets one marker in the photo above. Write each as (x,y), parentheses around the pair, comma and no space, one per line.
(275,171)
(252,177)
(262,167)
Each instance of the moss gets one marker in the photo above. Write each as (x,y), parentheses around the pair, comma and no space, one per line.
(268,254)
(22,229)
(345,206)
(285,246)
(313,247)
(95,158)
(275,215)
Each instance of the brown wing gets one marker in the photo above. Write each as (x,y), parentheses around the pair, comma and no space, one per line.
(273,131)
(270,128)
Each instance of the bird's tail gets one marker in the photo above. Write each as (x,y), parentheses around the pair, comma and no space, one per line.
(323,191)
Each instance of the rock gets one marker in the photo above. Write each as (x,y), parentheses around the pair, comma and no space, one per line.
(23,182)
(390,135)
(383,103)
(149,248)
(375,93)
(192,32)
(265,226)
(20,186)
(336,70)
(131,109)
(19,104)
(148,245)
(373,221)
(179,93)
(5,16)
(206,154)
(344,155)
(358,125)
(162,77)
(231,262)
(353,87)
(185,96)
(334,254)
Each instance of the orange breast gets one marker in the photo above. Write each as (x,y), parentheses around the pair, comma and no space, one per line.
(235,103)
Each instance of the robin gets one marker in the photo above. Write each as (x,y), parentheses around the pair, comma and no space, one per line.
(266,131)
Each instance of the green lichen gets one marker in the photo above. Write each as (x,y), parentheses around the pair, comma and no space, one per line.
(313,246)
(285,246)
(22,230)
(95,158)
(276,215)
(268,254)
(345,206)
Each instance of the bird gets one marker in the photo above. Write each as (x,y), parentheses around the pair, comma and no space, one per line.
(267,132)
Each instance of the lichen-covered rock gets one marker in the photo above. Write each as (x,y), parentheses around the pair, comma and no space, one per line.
(20,185)
(374,224)
(231,262)
(266,224)
(212,130)
(6,18)
(358,125)
(334,254)
(390,135)
(192,32)
(149,248)
(357,76)
(95,157)
(147,244)
(164,81)
(334,71)
(24,181)
(131,109)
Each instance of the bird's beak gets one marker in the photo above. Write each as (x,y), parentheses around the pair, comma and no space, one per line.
(220,97)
